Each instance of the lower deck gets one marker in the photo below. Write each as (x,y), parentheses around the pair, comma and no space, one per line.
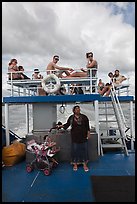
(63,184)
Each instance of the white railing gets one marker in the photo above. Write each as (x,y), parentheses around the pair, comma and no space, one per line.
(31,86)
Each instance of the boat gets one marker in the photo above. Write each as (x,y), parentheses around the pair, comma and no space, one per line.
(111,149)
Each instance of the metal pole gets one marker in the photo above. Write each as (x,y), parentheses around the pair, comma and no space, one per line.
(7,124)
(132,126)
(90,71)
(97,124)
(11,85)
(27,118)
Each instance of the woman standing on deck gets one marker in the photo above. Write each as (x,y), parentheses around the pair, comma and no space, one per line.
(80,132)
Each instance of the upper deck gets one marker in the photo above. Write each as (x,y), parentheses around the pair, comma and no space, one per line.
(33,90)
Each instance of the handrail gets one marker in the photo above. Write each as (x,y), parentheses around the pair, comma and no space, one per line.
(119,106)
(91,79)
(12,133)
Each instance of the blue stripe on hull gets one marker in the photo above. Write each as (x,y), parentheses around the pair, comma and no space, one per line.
(62,98)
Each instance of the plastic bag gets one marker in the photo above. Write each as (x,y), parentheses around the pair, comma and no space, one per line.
(13,153)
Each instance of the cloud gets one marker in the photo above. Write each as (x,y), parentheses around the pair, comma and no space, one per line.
(33,32)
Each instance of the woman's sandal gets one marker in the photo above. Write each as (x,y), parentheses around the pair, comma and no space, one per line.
(85,168)
(75,168)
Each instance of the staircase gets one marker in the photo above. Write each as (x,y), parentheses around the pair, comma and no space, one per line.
(112,122)
(13,136)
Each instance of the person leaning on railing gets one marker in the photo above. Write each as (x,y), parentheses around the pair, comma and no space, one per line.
(91,63)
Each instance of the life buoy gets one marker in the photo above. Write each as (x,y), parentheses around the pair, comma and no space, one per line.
(51,83)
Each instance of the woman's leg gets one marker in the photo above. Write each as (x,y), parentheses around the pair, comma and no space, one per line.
(74,156)
(108,91)
(84,155)
(85,167)
(77,74)
(104,90)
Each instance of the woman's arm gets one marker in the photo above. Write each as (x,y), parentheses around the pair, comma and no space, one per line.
(62,68)
(91,64)
(67,124)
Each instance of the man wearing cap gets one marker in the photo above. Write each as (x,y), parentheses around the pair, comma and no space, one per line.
(36,74)
(53,66)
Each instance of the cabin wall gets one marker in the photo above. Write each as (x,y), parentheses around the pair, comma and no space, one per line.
(44,116)
(63,140)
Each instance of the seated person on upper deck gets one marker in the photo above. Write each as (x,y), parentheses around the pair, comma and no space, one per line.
(90,65)
(52,66)
(36,74)
(100,84)
(105,91)
(116,79)
(13,68)
(22,75)
(76,89)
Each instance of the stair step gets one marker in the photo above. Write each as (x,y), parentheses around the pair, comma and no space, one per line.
(112,145)
(108,102)
(110,137)
(106,113)
(107,121)
(109,128)
(107,107)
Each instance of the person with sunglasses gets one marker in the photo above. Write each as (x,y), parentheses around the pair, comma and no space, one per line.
(86,72)
(91,63)
(53,66)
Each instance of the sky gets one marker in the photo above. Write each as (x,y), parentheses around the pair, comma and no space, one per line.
(32,32)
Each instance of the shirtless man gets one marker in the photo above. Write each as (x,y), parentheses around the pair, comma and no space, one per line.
(52,66)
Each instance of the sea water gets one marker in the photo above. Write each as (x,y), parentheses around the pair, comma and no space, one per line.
(17,116)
